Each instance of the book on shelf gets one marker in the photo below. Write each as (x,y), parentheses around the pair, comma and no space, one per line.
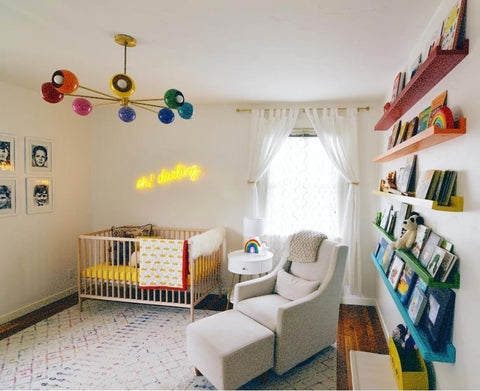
(398,85)
(387,258)
(406,181)
(448,187)
(412,69)
(382,245)
(423,120)
(402,133)
(396,271)
(392,140)
(412,128)
(422,235)
(406,283)
(438,318)
(402,214)
(417,304)
(448,263)
(436,260)
(428,249)
(386,216)
(453,26)
(391,222)
(437,103)
(425,183)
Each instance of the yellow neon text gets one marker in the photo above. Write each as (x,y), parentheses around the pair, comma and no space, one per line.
(166,176)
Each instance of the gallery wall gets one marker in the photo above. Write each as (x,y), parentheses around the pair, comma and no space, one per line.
(38,251)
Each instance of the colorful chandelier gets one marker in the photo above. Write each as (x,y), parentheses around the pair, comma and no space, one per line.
(64,82)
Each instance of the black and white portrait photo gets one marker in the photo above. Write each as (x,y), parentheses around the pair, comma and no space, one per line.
(38,155)
(7,197)
(7,154)
(39,195)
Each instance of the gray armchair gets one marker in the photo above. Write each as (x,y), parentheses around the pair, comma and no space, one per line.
(299,302)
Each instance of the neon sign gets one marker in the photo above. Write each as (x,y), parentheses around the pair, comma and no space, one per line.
(166,176)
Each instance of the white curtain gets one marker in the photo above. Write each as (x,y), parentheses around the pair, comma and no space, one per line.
(269,130)
(337,131)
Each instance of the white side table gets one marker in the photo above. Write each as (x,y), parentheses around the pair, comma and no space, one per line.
(242,263)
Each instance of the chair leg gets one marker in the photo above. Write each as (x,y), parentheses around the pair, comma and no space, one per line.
(197,372)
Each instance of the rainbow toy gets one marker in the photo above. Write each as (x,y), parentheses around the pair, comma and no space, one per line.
(252,246)
(443,118)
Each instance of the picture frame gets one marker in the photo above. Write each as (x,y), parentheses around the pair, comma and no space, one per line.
(8,197)
(39,192)
(38,156)
(7,154)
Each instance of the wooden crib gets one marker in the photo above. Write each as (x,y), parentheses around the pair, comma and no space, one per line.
(102,273)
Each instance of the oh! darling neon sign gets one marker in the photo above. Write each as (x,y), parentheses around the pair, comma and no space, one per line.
(180,172)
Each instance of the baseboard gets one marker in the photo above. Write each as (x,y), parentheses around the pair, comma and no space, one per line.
(358,300)
(382,321)
(37,305)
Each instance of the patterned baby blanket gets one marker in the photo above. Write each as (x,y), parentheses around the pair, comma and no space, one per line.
(304,246)
(163,263)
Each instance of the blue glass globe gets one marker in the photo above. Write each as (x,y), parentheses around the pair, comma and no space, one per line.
(166,116)
(127,114)
(185,111)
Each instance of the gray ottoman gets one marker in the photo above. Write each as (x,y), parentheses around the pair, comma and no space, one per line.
(229,348)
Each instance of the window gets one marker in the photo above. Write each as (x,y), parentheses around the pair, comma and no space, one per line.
(301,189)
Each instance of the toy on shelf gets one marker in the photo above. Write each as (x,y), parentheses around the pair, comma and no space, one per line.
(252,246)
(407,240)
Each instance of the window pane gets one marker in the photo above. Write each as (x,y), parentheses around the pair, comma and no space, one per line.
(301,189)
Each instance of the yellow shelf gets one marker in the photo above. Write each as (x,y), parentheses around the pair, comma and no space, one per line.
(426,139)
(456,202)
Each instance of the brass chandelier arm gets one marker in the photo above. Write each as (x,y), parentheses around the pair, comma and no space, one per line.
(98,92)
(142,107)
(140,103)
(149,100)
(114,100)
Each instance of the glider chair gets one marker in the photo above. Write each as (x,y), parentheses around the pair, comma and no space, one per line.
(298,301)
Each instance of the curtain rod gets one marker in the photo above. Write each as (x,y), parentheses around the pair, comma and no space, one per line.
(319,108)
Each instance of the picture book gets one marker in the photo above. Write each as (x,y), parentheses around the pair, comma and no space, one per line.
(396,271)
(403,214)
(439,311)
(423,120)
(386,216)
(422,235)
(412,128)
(433,186)
(392,140)
(431,243)
(417,305)
(449,261)
(402,133)
(406,181)
(452,26)
(436,260)
(448,191)
(391,222)
(387,258)
(396,86)
(424,183)
(406,283)
(382,245)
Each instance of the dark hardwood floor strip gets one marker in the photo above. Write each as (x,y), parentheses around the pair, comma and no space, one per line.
(359,328)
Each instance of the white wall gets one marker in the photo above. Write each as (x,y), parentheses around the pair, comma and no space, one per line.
(38,251)
(460,154)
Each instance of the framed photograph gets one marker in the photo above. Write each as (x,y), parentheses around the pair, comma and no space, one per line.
(39,195)
(38,155)
(8,197)
(7,154)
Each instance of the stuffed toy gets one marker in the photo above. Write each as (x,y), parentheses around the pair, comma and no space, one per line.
(407,240)
(401,336)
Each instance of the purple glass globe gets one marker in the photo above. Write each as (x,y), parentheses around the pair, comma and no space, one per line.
(126,114)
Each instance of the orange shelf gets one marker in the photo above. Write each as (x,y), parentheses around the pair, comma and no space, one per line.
(425,139)
(435,68)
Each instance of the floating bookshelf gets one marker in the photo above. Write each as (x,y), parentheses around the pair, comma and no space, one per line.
(456,202)
(426,139)
(436,67)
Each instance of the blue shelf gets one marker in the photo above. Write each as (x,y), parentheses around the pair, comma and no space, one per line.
(421,339)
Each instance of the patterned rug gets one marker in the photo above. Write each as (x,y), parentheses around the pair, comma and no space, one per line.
(112,345)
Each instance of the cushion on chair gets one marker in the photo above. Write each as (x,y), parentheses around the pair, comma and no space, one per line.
(292,287)
(263,309)
(315,271)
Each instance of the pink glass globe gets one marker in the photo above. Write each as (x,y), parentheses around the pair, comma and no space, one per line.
(82,106)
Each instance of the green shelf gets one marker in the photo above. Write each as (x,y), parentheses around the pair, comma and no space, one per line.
(421,339)
(452,282)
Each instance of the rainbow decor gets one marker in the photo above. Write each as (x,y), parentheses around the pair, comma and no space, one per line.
(443,118)
(252,246)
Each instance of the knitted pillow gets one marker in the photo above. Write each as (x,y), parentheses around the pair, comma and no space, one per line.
(304,246)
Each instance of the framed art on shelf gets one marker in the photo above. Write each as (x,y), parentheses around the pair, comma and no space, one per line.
(7,154)
(38,155)
(39,195)
(8,197)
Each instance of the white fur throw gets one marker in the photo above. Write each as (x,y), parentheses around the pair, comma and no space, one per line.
(205,243)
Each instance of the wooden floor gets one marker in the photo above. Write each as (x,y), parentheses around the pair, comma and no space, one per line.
(359,328)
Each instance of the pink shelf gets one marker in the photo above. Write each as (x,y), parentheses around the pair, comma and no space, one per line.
(435,68)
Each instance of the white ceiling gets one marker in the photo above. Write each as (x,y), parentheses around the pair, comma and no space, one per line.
(216,51)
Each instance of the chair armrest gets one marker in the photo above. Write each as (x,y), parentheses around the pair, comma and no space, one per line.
(256,287)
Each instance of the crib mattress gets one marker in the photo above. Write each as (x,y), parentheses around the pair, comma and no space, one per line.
(130,274)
